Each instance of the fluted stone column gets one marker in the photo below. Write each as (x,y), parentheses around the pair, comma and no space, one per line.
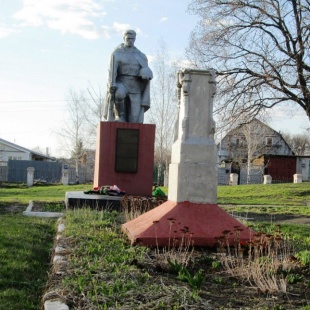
(193,168)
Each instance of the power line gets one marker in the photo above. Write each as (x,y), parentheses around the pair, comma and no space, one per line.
(31,110)
(57,100)
(32,101)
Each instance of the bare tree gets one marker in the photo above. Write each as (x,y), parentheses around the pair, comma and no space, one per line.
(299,143)
(74,135)
(85,111)
(77,154)
(39,149)
(247,142)
(255,135)
(93,110)
(260,49)
(163,112)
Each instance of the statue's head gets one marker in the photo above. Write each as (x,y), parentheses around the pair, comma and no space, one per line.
(129,37)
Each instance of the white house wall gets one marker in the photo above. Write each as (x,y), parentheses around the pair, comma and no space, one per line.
(303,167)
(8,152)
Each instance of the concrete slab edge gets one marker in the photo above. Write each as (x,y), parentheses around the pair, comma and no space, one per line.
(29,212)
(55,305)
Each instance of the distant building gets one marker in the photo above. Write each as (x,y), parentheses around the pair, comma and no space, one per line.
(15,159)
(11,151)
(259,137)
(252,150)
(85,166)
(303,167)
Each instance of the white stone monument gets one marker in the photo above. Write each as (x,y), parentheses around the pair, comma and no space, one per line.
(192,190)
(30,176)
(297,178)
(233,179)
(65,176)
(267,179)
(193,168)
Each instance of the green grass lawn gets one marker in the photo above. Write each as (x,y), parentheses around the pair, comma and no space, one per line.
(25,246)
(263,194)
(25,243)
(260,194)
(288,194)
(22,194)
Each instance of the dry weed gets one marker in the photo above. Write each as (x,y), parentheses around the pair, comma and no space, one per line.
(134,206)
(179,250)
(261,263)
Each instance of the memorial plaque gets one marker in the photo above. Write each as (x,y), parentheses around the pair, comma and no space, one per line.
(127,143)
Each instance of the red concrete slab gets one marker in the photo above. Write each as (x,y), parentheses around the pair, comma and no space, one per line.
(204,222)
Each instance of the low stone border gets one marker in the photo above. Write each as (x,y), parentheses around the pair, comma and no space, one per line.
(52,299)
(29,212)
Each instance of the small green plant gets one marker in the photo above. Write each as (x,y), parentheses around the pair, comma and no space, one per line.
(304,257)
(293,278)
(195,281)
(218,279)
(215,264)
(174,267)
(235,284)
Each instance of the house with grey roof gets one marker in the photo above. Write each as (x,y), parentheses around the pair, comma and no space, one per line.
(15,159)
(12,151)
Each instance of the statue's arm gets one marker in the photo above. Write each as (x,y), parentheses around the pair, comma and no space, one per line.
(112,73)
(145,73)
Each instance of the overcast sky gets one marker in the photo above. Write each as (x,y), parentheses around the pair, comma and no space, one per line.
(48,47)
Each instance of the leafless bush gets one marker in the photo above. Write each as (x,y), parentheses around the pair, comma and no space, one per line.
(134,206)
(179,250)
(262,262)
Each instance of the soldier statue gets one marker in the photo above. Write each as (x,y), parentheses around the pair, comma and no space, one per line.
(129,83)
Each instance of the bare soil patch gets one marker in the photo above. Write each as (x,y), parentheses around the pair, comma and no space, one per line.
(14,208)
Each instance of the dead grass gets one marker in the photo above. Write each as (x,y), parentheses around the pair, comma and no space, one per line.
(264,263)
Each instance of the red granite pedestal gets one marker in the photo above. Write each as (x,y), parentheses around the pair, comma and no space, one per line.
(204,222)
(137,183)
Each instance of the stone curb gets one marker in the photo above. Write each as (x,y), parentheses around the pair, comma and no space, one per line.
(52,300)
(55,305)
(28,212)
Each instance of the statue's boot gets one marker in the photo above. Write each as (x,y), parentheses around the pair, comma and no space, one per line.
(119,111)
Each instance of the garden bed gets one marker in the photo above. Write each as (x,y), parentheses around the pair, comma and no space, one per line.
(39,206)
(102,270)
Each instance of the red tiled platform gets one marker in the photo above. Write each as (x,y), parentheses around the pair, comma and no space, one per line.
(204,221)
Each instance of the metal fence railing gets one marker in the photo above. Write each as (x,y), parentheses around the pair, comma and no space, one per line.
(3,173)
